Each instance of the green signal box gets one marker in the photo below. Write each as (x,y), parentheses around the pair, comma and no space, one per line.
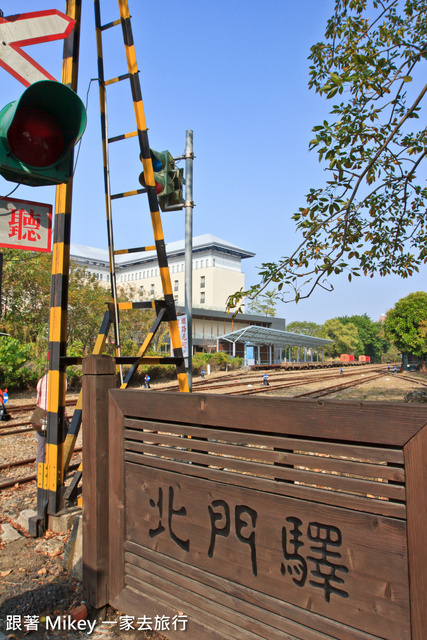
(168,179)
(38,133)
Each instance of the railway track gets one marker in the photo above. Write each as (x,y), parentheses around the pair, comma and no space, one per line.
(296,382)
(29,408)
(339,387)
(12,428)
(13,482)
(239,379)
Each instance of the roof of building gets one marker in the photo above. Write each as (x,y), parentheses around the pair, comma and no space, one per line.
(200,243)
(274,337)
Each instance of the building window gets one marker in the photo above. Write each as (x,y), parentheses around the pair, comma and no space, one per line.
(202,297)
(152,289)
(202,282)
(213,262)
(175,285)
(152,272)
(207,262)
(197,264)
(202,262)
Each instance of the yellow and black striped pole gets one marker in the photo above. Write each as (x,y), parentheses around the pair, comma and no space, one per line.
(51,474)
(107,186)
(151,191)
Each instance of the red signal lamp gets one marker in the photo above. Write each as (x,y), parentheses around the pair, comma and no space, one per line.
(36,138)
(38,133)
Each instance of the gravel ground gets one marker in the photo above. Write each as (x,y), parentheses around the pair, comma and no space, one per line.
(33,581)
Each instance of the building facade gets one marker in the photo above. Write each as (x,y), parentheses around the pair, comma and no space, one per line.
(217,270)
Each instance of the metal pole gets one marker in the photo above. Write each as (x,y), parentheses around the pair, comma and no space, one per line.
(189,250)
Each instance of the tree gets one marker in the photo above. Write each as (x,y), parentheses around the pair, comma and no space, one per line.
(25,295)
(370,216)
(304,327)
(264,304)
(345,337)
(371,341)
(26,299)
(405,324)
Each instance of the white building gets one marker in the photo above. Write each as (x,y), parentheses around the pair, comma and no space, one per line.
(217,270)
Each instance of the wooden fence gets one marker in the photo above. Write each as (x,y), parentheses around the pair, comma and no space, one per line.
(255,518)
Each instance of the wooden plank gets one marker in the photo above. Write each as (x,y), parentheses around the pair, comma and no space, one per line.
(249,537)
(390,423)
(98,378)
(335,482)
(245,628)
(359,503)
(416,469)
(116,497)
(296,618)
(271,456)
(134,601)
(336,449)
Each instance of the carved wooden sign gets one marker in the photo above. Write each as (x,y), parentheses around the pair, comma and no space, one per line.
(327,560)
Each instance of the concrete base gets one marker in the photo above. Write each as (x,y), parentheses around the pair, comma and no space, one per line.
(24,518)
(63,521)
(73,555)
(9,533)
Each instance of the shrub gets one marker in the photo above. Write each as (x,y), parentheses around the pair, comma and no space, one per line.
(15,364)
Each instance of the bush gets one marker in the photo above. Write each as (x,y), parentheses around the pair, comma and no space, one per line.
(219,361)
(16,370)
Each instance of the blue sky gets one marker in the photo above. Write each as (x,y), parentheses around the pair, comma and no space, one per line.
(235,73)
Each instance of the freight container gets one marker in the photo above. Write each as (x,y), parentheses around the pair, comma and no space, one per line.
(345,357)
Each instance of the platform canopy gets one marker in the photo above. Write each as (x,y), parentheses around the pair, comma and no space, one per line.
(262,336)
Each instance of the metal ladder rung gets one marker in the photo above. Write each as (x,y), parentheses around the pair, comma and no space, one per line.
(115,23)
(136,250)
(125,76)
(123,136)
(128,193)
(137,305)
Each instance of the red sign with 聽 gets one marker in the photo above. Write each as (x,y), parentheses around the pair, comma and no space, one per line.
(25,225)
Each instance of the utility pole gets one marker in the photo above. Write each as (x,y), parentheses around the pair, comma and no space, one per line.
(189,251)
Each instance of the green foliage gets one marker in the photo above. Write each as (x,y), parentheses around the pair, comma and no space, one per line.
(264,304)
(370,217)
(371,341)
(218,361)
(304,327)
(345,337)
(15,357)
(405,324)
(25,294)
(392,354)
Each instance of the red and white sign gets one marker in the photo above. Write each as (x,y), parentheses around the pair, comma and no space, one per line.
(183,332)
(25,225)
(25,29)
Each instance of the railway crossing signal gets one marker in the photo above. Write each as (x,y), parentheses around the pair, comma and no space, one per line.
(169,181)
(38,133)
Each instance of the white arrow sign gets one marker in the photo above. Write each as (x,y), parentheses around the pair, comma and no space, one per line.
(25,29)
